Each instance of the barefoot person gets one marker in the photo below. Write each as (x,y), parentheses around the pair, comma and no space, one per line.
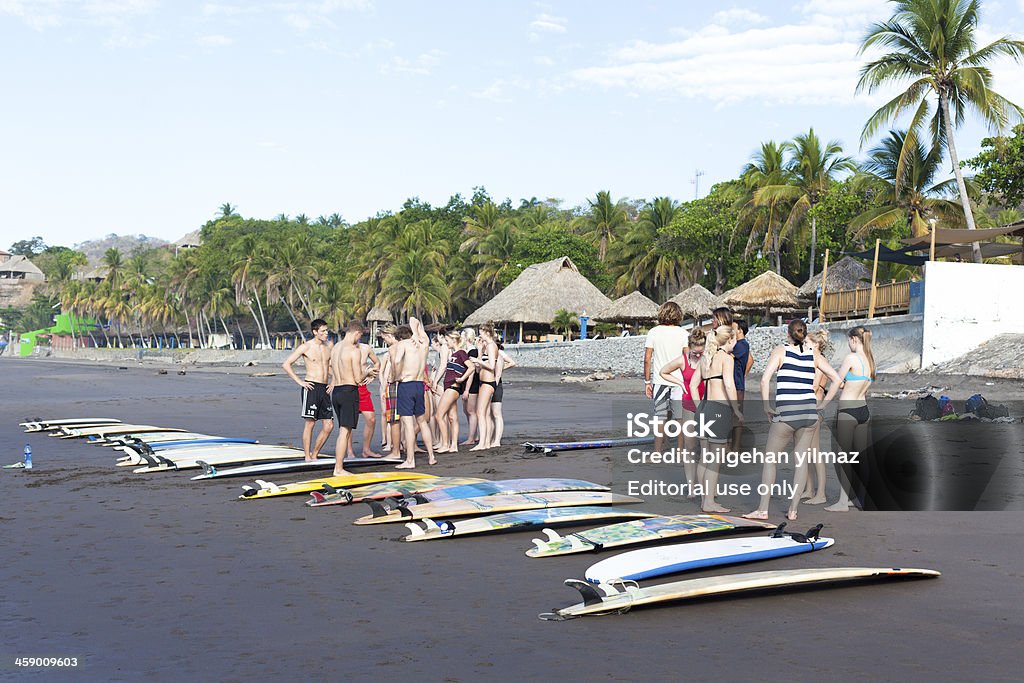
(366,407)
(457,372)
(316,399)
(469,395)
(687,365)
(853,428)
(664,343)
(390,430)
(814,491)
(410,359)
(486,365)
(795,413)
(718,410)
(505,362)
(348,370)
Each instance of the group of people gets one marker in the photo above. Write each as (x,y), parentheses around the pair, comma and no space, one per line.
(702,376)
(418,398)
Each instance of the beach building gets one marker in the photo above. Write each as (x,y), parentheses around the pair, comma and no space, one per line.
(633,310)
(531,301)
(19,268)
(190,241)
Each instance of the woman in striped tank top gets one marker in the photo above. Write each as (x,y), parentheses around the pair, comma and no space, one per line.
(795,413)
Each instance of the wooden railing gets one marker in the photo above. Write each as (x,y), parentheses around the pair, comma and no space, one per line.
(891,297)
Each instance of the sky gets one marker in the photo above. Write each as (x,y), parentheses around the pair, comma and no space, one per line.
(144,116)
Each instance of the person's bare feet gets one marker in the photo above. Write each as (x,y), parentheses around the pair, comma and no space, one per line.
(713,509)
(817,500)
(468,442)
(479,447)
(791,515)
(756,514)
(432,461)
(836,507)
(342,472)
(371,454)
(406,465)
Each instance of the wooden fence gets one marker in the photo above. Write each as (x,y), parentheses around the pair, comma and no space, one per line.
(890,298)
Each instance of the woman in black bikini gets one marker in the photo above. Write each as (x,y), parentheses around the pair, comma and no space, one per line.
(853,428)
(485,366)
(456,373)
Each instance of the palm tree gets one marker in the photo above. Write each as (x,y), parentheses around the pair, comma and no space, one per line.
(766,167)
(604,223)
(494,257)
(933,43)
(114,261)
(227,209)
(414,284)
(913,197)
(639,255)
(810,169)
(482,223)
(564,321)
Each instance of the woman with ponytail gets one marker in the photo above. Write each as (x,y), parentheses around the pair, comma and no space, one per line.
(795,413)
(852,421)
(719,407)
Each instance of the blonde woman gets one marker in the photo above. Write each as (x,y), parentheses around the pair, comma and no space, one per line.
(472,388)
(814,491)
(853,427)
(456,374)
(719,406)
(505,362)
(486,366)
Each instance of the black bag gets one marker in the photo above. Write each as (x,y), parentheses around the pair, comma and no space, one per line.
(992,411)
(927,408)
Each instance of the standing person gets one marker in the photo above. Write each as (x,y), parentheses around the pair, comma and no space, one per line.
(505,362)
(722,316)
(853,425)
(814,491)
(348,370)
(436,385)
(486,366)
(665,342)
(457,372)
(744,360)
(390,440)
(472,390)
(366,407)
(316,400)
(410,360)
(717,410)
(687,364)
(796,410)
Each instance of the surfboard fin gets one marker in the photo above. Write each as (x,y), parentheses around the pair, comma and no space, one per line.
(586,590)
(809,537)
(377,508)
(207,468)
(317,498)
(552,535)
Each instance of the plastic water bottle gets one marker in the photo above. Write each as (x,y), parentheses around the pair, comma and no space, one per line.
(28,457)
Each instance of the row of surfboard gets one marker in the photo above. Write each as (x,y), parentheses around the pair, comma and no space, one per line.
(445,507)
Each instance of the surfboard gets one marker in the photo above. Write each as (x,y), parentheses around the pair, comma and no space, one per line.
(207,453)
(620,597)
(395,489)
(638,531)
(428,529)
(193,443)
(501,487)
(105,430)
(41,425)
(211,472)
(491,504)
(648,563)
(579,445)
(267,489)
(225,457)
(149,438)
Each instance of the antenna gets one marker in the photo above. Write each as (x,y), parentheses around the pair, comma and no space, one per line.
(696,183)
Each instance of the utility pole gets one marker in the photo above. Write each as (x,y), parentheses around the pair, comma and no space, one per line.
(696,183)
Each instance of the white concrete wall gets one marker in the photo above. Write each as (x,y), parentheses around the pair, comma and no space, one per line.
(966,304)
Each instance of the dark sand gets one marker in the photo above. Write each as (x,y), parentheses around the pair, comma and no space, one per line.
(160,578)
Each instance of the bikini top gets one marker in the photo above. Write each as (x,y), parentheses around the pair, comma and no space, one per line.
(852,377)
(721,377)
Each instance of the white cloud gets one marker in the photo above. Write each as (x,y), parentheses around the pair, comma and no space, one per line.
(112,9)
(542,60)
(811,60)
(422,65)
(300,22)
(547,23)
(214,40)
(738,15)
(37,14)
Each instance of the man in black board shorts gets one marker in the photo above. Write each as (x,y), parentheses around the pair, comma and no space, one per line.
(316,395)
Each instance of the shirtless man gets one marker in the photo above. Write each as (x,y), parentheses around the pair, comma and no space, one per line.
(348,371)
(410,357)
(316,400)
(366,408)
(391,427)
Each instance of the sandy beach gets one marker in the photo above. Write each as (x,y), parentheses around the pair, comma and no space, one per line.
(161,578)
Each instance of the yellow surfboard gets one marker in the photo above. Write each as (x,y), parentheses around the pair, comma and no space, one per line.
(267,489)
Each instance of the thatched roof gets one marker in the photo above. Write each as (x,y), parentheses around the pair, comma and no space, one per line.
(540,291)
(769,289)
(631,308)
(696,301)
(21,268)
(189,241)
(379,314)
(846,273)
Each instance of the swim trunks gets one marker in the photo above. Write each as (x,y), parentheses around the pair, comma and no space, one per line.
(345,399)
(410,401)
(721,415)
(665,406)
(365,400)
(316,403)
(391,403)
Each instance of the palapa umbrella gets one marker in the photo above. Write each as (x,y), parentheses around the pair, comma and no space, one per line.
(376,316)
(632,309)
(767,290)
(846,273)
(696,302)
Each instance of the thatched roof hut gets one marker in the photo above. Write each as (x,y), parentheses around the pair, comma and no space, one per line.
(379,314)
(633,308)
(190,241)
(846,273)
(696,302)
(768,290)
(20,268)
(540,291)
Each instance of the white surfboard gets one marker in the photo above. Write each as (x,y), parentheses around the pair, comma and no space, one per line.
(135,457)
(289,466)
(109,430)
(46,425)
(161,464)
(647,563)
